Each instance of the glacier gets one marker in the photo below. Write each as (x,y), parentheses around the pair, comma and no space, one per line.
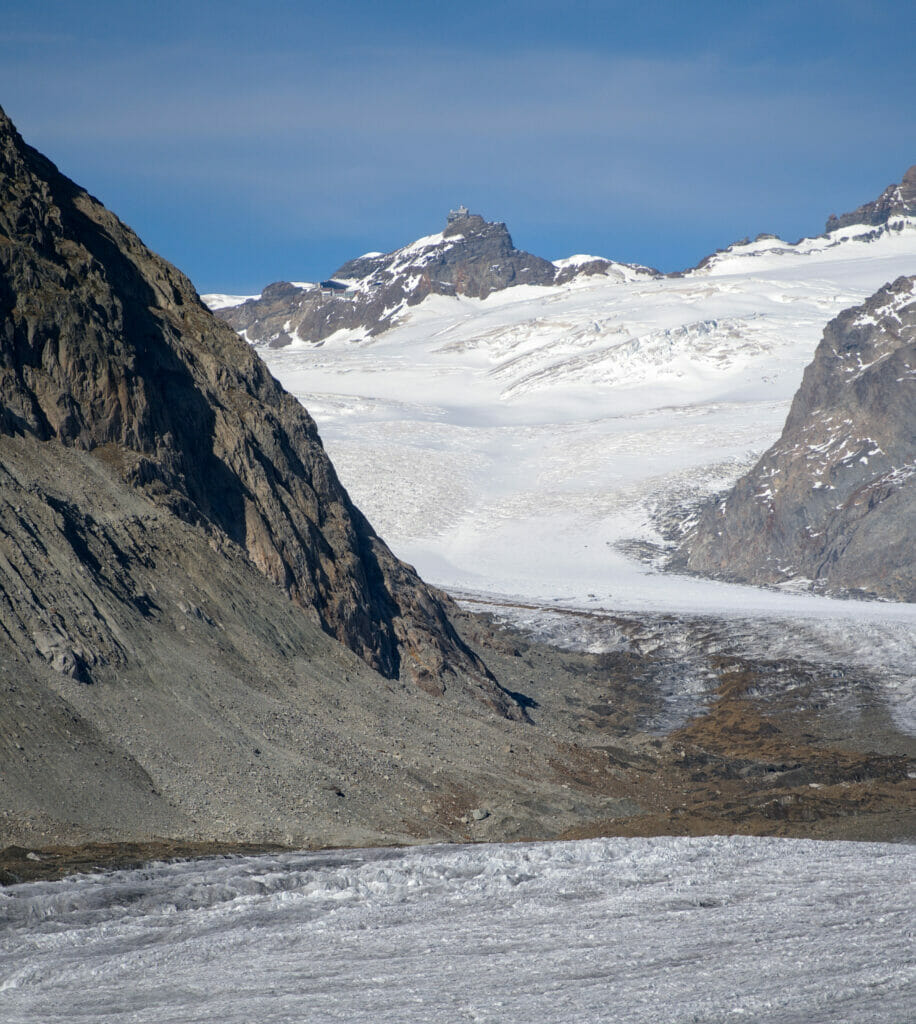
(663,930)
(532,448)
(517,444)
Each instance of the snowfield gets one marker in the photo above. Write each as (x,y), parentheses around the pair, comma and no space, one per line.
(527,447)
(664,930)
(513,444)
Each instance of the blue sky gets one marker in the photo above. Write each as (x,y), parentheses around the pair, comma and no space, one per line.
(253,142)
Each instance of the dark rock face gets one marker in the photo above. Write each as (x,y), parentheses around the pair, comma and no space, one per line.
(894,201)
(834,500)
(470,257)
(107,349)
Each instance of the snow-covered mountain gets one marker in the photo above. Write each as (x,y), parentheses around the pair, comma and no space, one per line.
(372,293)
(533,441)
(472,257)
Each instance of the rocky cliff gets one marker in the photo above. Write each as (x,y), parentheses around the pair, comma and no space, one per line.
(834,500)
(471,257)
(107,350)
(895,201)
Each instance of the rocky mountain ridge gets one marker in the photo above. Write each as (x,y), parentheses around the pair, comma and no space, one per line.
(833,503)
(107,350)
(895,201)
(368,295)
(472,257)
(893,212)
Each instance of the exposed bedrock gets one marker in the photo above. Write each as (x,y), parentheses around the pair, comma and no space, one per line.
(107,349)
(834,500)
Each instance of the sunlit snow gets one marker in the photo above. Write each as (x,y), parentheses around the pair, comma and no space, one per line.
(511,444)
(518,446)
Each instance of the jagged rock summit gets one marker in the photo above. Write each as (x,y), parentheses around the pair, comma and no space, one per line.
(894,202)
(470,257)
(107,352)
(833,503)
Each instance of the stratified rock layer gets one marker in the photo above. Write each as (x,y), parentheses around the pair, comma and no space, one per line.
(107,349)
(834,500)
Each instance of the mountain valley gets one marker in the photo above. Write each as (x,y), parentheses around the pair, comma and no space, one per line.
(204,641)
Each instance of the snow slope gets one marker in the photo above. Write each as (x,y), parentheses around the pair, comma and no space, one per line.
(220,301)
(511,444)
(662,930)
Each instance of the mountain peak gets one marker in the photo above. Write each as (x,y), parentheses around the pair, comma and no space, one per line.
(6,125)
(894,201)
(460,222)
(471,257)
